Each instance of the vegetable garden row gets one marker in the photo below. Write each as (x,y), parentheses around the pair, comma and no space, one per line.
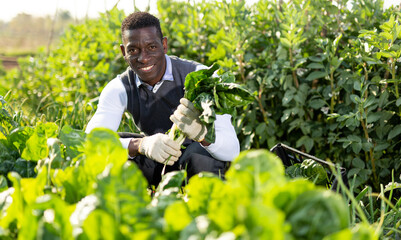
(325,76)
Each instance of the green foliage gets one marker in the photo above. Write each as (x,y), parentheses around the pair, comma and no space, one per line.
(213,95)
(320,205)
(64,84)
(13,139)
(115,197)
(308,169)
(327,80)
(360,231)
(325,75)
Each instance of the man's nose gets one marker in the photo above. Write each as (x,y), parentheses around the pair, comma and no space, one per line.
(143,56)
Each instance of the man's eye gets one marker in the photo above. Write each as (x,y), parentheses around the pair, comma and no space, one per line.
(152,47)
(131,51)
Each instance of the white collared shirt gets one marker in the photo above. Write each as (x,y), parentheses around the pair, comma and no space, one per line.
(168,76)
(113,103)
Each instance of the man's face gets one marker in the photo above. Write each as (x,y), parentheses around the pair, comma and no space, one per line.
(144,50)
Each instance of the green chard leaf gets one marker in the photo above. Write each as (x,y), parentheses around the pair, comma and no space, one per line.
(214,95)
(198,81)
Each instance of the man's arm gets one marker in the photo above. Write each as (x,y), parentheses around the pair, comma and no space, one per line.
(112,102)
(133,147)
(226,146)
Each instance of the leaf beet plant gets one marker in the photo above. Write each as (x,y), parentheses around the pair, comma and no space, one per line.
(321,76)
(212,95)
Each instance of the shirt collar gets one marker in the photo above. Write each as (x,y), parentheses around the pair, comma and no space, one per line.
(168,75)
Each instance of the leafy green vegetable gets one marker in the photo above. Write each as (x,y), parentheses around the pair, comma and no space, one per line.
(317,213)
(308,169)
(213,95)
(361,231)
(36,146)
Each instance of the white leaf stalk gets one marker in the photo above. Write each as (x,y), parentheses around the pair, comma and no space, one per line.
(176,135)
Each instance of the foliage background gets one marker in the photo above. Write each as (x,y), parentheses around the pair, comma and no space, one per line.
(322,86)
(326,76)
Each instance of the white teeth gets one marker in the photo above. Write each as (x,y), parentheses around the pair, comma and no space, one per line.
(147,68)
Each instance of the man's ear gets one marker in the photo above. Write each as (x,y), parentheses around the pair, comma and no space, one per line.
(164,42)
(122,49)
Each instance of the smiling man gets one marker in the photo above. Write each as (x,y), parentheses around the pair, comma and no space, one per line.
(152,90)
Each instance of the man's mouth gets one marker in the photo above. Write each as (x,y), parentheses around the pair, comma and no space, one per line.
(146,69)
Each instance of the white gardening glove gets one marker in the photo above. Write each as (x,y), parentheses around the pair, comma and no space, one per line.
(160,147)
(186,117)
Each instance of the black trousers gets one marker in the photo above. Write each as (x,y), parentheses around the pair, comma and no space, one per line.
(194,159)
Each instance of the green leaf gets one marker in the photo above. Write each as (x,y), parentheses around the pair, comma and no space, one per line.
(255,171)
(3,183)
(124,193)
(381,146)
(359,231)
(335,63)
(172,180)
(306,141)
(317,59)
(217,53)
(354,138)
(394,132)
(177,216)
(356,147)
(205,104)
(101,225)
(357,86)
(19,136)
(336,41)
(315,65)
(383,99)
(261,128)
(369,102)
(36,146)
(398,102)
(373,117)
(69,179)
(73,140)
(387,35)
(353,171)
(317,103)
(260,227)
(103,147)
(329,210)
(199,80)
(200,188)
(57,226)
(358,163)
(285,42)
(388,54)
(355,99)
(316,75)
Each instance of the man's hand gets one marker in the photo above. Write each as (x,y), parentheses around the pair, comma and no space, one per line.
(160,147)
(186,117)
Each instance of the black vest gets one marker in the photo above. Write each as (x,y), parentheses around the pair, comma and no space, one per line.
(151,111)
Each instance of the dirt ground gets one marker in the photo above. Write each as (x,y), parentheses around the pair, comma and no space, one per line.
(9,62)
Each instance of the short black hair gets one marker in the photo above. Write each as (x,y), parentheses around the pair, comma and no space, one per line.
(138,20)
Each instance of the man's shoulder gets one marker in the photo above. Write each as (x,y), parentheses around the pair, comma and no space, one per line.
(115,84)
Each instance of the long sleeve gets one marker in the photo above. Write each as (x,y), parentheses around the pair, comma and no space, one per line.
(226,146)
(112,104)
